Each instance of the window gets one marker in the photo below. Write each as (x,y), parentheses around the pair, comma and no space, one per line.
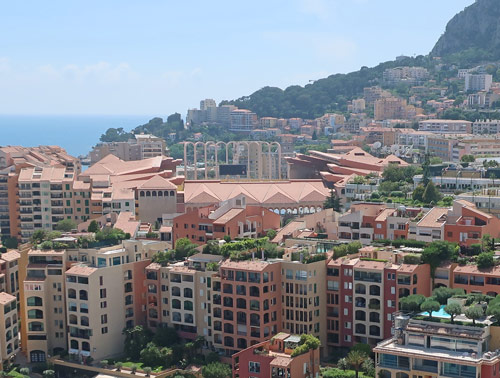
(104,330)
(347,338)
(254,367)
(347,325)
(346,311)
(104,319)
(104,304)
(103,293)
(393,290)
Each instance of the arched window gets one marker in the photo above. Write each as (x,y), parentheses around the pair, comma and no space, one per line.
(74,344)
(34,301)
(85,346)
(154,193)
(84,321)
(188,305)
(148,193)
(255,320)
(160,193)
(176,291)
(172,193)
(165,193)
(242,343)
(228,341)
(142,193)
(83,295)
(188,318)
(176,304)
(73,319)
(72,293)
(188,293)
(7,323)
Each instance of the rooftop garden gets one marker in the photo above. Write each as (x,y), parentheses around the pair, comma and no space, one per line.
(472,306)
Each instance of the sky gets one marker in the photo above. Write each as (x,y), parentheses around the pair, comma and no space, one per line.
(152,57)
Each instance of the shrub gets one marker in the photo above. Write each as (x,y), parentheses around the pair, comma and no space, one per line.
(485,260)
(306,343)
(412,259)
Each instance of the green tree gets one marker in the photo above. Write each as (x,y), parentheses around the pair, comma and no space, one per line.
(184,248)
(166,337)
(474,313)
(93,226)
(442,294)
(136,338)
(151,355)
(437,252)
(65,225)
(430,305)
(10,243)
(332,202)
(453,309)
(365,348)
(342,364)
(494,310)
(118,365)
(38,236)
(356,359)
(485,260)
(216,370)
(468,159)
(418,193)
(431,194)
(412,302)
(271,234)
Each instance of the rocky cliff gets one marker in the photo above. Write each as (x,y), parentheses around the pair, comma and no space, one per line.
(477,27)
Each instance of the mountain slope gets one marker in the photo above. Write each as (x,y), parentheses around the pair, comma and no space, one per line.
(477,28)
(322,96)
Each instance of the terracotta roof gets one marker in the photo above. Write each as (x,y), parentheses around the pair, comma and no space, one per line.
(157,182)
(376,265)
(255,265)
(436,217)
(288,230)
(81,270)
(384,214)
(10,256)
(227,216)
(281,361)
(127,223)
(261,193)
(494,271)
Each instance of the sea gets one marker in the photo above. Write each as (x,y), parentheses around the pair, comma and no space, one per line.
(76,133)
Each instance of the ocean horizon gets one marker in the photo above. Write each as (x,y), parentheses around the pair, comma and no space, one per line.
(76,133)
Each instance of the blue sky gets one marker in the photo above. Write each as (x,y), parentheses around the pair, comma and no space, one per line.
(156,57)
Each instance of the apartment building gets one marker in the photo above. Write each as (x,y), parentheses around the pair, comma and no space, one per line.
(81,300)
(407,75)
(249,311)
(303,297)
(372,94)
(390,108)
(359,222)
(425,348)
(268,122)
(273,358)
(43,303)
(179,296)
(143,146)
(364,292)
(9,327)
(478,82)
(487,200)
(12,160)
(47,196)
(487,126)
(446,126)
(243,120)
(443,146)
(231,218)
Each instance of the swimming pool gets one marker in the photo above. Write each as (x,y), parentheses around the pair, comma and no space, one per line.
(438,314)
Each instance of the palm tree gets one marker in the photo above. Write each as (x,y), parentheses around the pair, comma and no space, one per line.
(355,359)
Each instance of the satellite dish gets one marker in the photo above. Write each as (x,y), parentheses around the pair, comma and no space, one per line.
(377,145)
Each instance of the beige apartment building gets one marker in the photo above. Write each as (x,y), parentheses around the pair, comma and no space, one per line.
(9,326)
(303,297)
(81,300)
